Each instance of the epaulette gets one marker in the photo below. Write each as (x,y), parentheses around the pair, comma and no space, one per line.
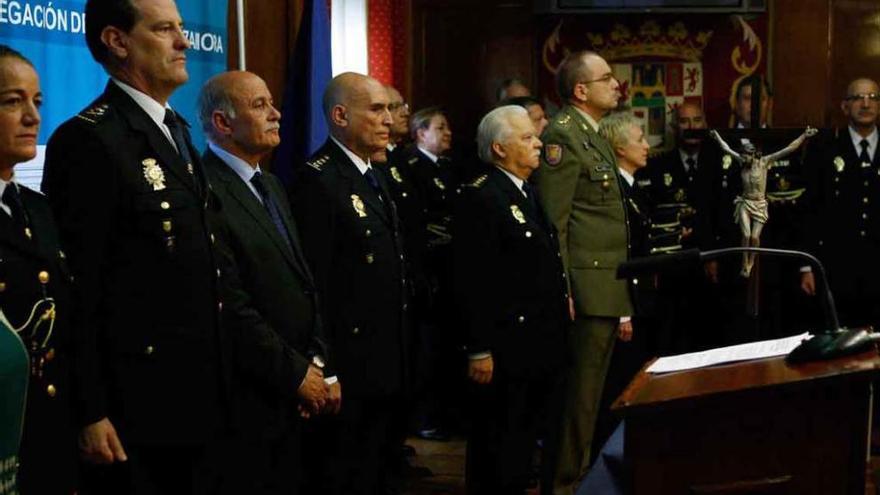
(478,182)
(564,120)
(318,163)
(413,160)
(95,113)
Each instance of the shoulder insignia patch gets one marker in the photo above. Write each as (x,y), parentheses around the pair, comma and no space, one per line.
(553,154)
(413,160)
(395,174)
(564,120)
(318,163)
(478,182)
(94,114)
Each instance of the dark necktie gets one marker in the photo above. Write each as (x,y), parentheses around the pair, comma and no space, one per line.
(271,207)
(12,199)
(691,167)
(863,156)
(177,135)
(373,181)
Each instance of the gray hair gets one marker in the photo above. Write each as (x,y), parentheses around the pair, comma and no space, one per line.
(212,97)
(615,128)
(495,128)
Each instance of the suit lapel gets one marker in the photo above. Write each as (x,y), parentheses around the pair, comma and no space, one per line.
(240,192)
(140,121)
(290,225)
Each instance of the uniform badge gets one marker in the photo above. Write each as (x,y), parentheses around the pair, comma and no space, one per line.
(553,154)
(679,195)
(358,205)
(667,179)
(439,183)
(395,174)
(726,161)
(839,164)
(782,184)
(517,214)
(154,174)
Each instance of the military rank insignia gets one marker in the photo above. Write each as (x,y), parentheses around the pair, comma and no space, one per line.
(395,174)
(358,204)
(439,183)
(517,214)
(553,154)
(726,161)
(153,174)
(667,179)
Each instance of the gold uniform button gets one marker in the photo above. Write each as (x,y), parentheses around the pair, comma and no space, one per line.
(218,273)
(865,200)
(370,259)
(368,233)
(220,306)
(355,330)
(212,239)
(166,225)
(43,277)
(595,263)
(863,233)
(528,233)
(50,390)
(521,319)
(635,281)
(165,205)
(403,194)
(864,215)
(2,286)
(149,350)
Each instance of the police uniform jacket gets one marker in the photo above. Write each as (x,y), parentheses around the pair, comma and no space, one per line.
(436,184)
(509,281)
(578,182)
(670,183)
(353,243)
(33,268)
(136,226)
(271,313)
(844,215)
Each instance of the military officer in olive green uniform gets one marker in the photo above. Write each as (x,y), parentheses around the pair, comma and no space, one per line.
(579,184)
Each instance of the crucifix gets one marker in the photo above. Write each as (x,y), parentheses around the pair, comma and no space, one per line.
(751,206)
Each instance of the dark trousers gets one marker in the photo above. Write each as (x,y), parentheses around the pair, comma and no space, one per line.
(507,417)
(264,466)
(150,470)
(352,453)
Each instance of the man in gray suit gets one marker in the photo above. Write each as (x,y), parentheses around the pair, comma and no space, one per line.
(579,185)
(276,349)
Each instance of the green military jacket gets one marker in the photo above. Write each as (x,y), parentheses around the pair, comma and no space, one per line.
(579,187)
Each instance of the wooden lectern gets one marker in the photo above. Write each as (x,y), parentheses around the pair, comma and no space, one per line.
(756,427)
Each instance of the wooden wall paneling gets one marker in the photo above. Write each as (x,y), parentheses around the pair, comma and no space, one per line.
(801,62)
(462,50)
(855,48)
(270,33)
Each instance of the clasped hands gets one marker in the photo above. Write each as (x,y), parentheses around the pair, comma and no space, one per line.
(316,396)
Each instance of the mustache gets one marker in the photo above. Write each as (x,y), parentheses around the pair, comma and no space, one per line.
(273,127)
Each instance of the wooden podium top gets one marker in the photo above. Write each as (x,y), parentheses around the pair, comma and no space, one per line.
(649,390)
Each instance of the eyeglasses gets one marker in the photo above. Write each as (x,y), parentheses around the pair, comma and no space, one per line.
(605,79)
(392,107)
(863,96)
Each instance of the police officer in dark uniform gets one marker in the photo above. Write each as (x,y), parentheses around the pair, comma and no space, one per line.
(843,230)
(436,179)
(677,183)
(34,290)
(351,237)
(134,211)
(511,291)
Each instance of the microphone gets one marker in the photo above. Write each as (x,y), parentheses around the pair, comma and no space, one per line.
(831,342)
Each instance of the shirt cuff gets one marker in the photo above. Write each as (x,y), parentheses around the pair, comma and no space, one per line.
(625,319)
(806,269)
(479,355)
(330,380)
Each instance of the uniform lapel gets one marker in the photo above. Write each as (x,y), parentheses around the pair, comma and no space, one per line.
(140,121)
(592,137)
(16,239)
(515,197)
(360,186)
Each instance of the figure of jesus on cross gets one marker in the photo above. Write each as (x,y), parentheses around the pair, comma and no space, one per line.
(751,211)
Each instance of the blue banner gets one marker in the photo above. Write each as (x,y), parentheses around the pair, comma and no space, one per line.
(51,33)
(303,125)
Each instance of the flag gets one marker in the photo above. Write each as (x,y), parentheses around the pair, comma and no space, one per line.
(303,127)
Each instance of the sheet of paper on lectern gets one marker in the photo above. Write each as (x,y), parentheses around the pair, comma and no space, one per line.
(731,354)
